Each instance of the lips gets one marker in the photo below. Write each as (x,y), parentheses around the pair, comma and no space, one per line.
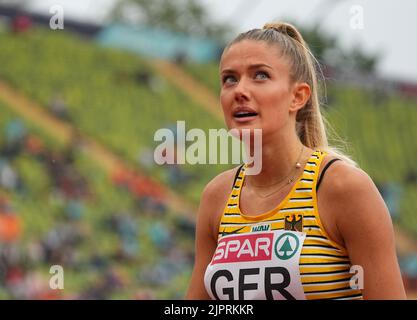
(243,112)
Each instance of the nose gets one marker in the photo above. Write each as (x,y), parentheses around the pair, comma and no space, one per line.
(241,90)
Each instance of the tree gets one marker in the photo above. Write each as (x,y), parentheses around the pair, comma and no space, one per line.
(327,49)
(185,16)
(14,3)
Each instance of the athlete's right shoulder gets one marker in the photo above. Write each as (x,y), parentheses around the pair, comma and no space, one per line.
(221,185)
(214,199)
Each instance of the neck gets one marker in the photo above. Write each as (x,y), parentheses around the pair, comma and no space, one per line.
(279,156)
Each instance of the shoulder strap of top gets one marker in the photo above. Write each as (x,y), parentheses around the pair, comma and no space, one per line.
(237,174)
(324,171)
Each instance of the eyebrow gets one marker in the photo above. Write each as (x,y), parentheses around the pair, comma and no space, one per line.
(252,66)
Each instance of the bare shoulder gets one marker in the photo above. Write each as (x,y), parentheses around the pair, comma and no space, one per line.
(344,173)
(352,196)
(347,182)
(214,197)
(220,186)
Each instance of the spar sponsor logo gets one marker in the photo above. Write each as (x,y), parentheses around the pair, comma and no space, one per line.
(286,246)
(245,247)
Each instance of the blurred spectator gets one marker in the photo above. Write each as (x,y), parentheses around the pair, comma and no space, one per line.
(379,96)
(176,176)
(35,252)
(411,176)
(32,286)
(10,223)
(74,209)
(21,23)
(143,186)
(60,243)
(156,275)
(127,230)
(160,235)
(15,132)
(408,265)
(109,282)
(185,225)
(98,262)
(392,193)
(34,146)
(151,205)
(9,179)
(121,177)
(181,58)
(143,294)
(59,108)
(65,177)
(150,196)
(145,158)
(144,78)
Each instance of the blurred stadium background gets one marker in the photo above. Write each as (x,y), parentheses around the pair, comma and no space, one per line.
(78,111)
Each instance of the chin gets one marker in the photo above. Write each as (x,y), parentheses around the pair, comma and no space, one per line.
(237,130)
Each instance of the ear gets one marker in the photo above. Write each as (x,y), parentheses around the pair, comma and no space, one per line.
(301,93)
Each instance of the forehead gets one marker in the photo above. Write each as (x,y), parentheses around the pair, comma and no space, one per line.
(249,52)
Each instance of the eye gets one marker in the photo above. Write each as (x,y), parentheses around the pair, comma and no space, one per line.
(261,75)
(228,79)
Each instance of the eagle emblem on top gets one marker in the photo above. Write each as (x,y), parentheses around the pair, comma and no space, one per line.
(294,222)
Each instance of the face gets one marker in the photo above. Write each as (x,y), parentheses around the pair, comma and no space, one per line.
(256,91)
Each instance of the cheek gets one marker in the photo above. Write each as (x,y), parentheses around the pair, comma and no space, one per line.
(271,106)
(275,101)
(226,105)
(226,101)
(225,98)
(275,110)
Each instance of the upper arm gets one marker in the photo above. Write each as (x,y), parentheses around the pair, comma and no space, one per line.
(364,223)
(213,200)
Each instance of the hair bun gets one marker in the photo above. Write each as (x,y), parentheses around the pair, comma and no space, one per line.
(285,28)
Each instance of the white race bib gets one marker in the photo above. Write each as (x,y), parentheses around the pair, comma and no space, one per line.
(257,266)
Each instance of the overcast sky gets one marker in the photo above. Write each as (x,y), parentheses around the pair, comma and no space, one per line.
(387,27)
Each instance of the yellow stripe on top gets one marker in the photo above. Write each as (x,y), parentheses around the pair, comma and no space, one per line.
(324,265)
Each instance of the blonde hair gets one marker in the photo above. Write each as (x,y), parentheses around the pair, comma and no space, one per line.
(311,126)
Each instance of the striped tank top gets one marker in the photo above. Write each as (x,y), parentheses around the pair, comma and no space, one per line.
(284,253)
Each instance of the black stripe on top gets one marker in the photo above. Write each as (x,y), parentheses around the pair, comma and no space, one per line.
(317,237)
(324,254)
(324,263)
(237,175)
(329,290)
(293,208)
(324,171)
(329,281)
(312,227)
(250,223)
(326,272)
(359,295)
(319,245)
